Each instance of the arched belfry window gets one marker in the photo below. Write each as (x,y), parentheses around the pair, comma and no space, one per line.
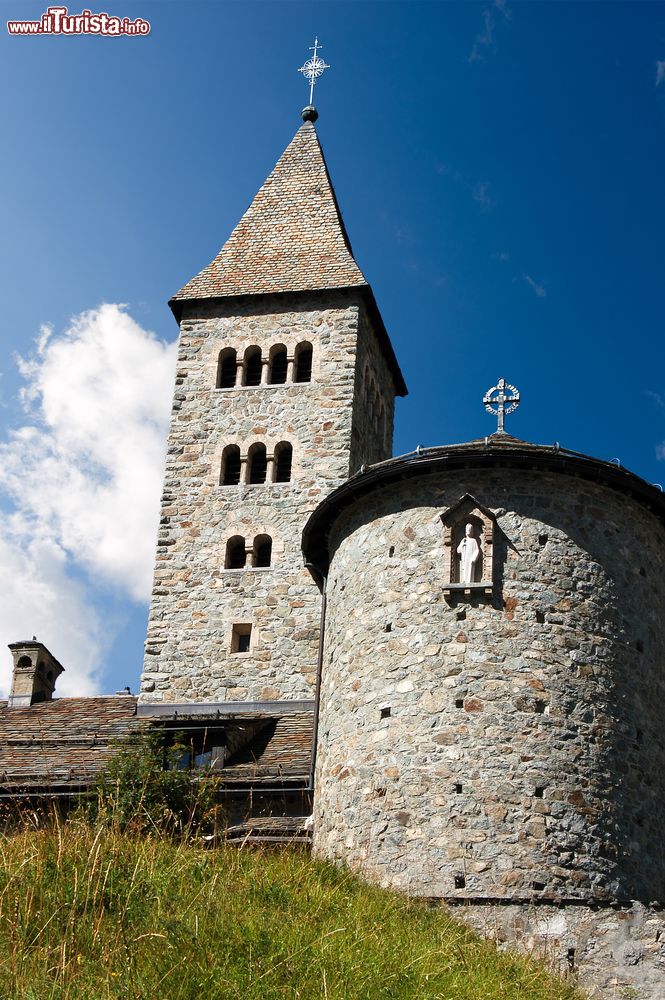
(235,553)
(262,551)
(252,366)
(226,368)
(230,474)
(468,537)
(303,362)
(257,461)
(283,462)
(278,365)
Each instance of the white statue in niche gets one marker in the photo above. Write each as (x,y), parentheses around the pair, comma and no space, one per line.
(468,550)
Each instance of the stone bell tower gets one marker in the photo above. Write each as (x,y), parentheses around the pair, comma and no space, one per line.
(284,388)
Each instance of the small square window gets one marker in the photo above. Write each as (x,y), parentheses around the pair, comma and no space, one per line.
(241,638)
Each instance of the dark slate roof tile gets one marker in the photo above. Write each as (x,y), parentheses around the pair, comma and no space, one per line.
(64,742)
(280,750)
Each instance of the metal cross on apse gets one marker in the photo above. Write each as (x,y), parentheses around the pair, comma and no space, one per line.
(313,68)
(500,402)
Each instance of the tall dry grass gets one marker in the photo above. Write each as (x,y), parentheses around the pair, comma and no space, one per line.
(89,912)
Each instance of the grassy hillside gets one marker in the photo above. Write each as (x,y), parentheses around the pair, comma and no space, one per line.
(90,915)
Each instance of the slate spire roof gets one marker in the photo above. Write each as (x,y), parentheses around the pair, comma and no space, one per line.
(290,239)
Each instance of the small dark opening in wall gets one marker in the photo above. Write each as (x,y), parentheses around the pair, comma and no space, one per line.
(226,369)
(258,464)
(539,706)
(540,617)
(391,551)
(570,956)
(542,539)
(460,882)
(388,627)
(639,645)
(459,702)
(303,371)
(539,792)
(638,735)
(278,367)
(643,572)
(241,638)
(253,366)
(458,789)
(638,820)
(230,466)
(283,462)
(461,615)
(538,886)
(235,553)
(262,551)
(385,713)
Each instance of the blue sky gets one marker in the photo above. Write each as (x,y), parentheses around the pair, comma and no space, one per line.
(500,170)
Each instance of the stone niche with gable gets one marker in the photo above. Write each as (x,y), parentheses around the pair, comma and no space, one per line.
(467,511)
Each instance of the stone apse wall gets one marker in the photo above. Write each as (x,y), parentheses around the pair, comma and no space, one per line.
(196,600)
(507,745)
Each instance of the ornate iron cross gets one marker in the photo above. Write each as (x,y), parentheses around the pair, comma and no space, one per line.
(501,399)
(313,68)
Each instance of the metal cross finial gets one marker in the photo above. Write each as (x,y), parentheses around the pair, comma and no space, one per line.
(502,398)
(313,68)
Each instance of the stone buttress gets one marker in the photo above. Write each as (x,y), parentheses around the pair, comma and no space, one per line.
(285,386)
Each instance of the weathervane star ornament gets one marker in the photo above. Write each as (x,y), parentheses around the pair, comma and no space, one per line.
(501,399)
(313,68)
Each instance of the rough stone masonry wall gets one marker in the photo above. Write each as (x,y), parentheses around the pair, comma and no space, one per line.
(501,748)
(615,953)
(372,432)
(196,601)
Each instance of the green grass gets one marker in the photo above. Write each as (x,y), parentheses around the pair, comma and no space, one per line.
(89,914)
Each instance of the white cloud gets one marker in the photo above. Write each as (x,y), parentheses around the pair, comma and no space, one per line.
(537,289)
(485,39)
(660,72)
(40,599)
(84,474)
(481,195)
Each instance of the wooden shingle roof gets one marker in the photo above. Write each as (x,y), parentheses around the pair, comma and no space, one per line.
(280,751)
(290,239)
(62,744)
